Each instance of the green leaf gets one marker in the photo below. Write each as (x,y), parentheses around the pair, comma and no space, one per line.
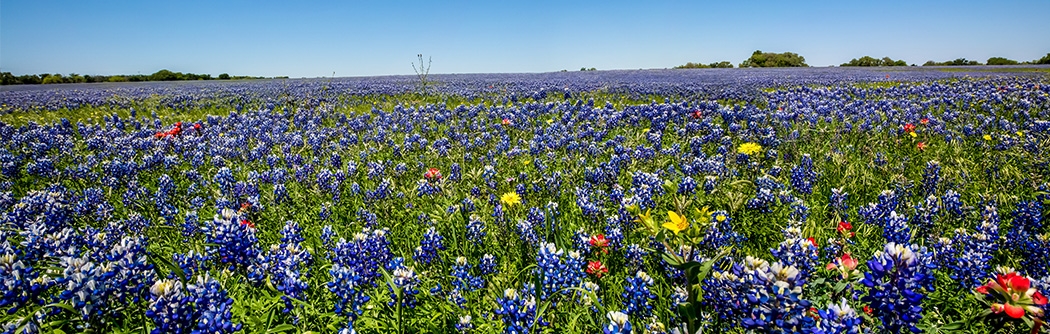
(840,286)
(280,328)
(958,325)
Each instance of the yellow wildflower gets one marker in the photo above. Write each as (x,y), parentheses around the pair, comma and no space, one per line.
(987,137)
(912,134)
(749,148)
(1020,134)
(677,223)
(720,218)
(510,198)
(704,212)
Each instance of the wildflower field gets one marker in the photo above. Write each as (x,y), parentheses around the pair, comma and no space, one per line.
(680,201)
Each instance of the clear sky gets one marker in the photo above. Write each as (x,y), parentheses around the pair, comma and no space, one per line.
(358,38)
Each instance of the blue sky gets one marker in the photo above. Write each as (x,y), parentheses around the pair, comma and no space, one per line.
(358,38)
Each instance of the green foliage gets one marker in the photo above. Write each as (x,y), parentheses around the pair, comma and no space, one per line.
(870,61)
(721,64)
(1001,61)
(6,78)
(588,69)
(957,62)
(1043,61)
(772,59)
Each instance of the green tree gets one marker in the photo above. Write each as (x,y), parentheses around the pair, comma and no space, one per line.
(721,64)
(691,65)
(771,59)
(224,76)
(53,79)
(1001,61)
(1043,61)
(163,75)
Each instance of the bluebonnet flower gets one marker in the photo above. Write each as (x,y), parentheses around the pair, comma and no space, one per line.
(404,284)
(365,254)
(191,264)
(213,306)
(557,270)
(527,232)
(467,205)
(21,282)
(925,213)
(720,232)
(802,176)
(896,229)
(349,290)
(370,219)
(618,324)
(428,249)
(128,271)
(586,299)
(475,229)
(84,285)
(710,182)
(1026,237)
(232,239)
(487,266)
(952,203)
(92,202)
(464,280)
(687,186)
(613,233)
(838,319)
(464,324)
(875,213)
(973,252)
(284,266)
(426,188)
(776,300)
(931,177)
(170,308)
(224,178)
(638,296)
(517,310)
(797,252)
(581,241)
(899,276)
(635,255)
(646,187)
(536,218)
(679,296)
(837,200)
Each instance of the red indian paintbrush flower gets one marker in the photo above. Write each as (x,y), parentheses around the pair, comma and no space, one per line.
(596,268)
(845,228)
(245,222)
(598,240)
(1012,294)
(432,173)
(506,121)
(921,146)
(909,127)
(924,121)
(845,264)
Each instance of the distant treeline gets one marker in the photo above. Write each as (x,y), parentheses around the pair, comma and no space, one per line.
(870,61)
(6,78)
(991,61)
(721,64)
(789,59)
